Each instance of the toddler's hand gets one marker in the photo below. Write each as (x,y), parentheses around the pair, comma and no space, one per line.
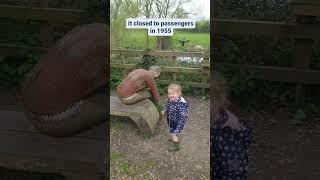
(162,113)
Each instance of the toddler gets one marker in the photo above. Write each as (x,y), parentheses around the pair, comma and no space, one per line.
(176,111)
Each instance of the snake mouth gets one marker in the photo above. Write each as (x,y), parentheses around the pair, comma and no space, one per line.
(84,114)
(70,111)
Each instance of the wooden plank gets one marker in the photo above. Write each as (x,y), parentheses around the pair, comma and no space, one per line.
(307,10)
(192,84)
(163,68)
(302,56)
(171,70)
(266,28)
(86,154)
(316,2)
(16,121)
(159,53)
(280,74)
(82,4)
(306,7)
(23,148)
(224,26)
(41,14)
(48,165)
(46,29)
(14,49)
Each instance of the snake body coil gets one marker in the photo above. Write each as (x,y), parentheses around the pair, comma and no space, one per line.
(60,93)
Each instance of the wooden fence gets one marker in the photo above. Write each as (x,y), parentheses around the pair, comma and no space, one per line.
(203,70)
(303,31)
(47,16)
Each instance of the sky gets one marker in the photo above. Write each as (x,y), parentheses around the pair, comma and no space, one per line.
(201,6)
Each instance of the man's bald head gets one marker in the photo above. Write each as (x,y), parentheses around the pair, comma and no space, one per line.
(155,69)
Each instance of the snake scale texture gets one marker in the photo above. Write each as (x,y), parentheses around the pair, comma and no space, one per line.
(64,93)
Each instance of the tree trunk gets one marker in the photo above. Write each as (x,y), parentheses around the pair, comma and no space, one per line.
(147,40)
(163,42)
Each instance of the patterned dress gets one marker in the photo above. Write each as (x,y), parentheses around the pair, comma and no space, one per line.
(177,114)
(229,150)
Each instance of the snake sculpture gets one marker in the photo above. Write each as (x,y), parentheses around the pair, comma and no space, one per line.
(65,92)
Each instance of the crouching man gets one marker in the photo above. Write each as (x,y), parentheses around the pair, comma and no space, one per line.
(139,85)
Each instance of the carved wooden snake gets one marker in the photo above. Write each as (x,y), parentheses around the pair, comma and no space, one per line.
(65,92)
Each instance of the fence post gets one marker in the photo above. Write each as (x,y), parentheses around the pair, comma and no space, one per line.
(174,75)
(46,30)
(82,4)
(302,55)
(205,67)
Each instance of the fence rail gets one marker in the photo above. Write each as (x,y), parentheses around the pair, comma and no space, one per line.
(203,71)
(45,15)
(7,49)
(41,14)
(306,7)
(159,53)
(266,28)
(304,31)
(271,73)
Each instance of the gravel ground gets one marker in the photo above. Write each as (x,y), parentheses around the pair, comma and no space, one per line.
(138,156)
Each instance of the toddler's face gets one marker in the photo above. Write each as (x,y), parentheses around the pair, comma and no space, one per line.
(173,94)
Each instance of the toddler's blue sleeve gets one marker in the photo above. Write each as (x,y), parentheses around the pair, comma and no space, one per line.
(183,115)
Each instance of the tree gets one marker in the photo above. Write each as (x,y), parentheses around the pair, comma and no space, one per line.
(122,9)
(147,12)
(168,9)
(119,11)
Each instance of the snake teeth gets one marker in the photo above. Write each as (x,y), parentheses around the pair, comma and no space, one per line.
(73,109)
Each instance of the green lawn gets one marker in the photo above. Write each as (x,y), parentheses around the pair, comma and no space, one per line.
(136,39)
(202,39)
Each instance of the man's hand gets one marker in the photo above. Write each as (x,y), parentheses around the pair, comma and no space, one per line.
(158,106)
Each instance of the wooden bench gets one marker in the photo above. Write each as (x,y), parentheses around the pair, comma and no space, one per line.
(81,157)
(144,113)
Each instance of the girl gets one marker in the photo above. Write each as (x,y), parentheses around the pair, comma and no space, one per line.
(230,137)
(176,111)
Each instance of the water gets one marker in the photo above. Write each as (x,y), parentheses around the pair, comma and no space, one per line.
(190,59)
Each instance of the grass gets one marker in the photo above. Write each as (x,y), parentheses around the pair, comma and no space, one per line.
(125,168)
(147,135)
(116,122)
(202,39)
(136,39)
(116,156)
(120,165)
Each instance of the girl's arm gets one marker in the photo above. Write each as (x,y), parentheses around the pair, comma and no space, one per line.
(164,111)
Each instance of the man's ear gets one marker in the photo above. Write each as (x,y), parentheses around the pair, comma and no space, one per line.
(155,75)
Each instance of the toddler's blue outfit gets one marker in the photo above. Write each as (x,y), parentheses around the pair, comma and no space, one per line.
(177,114)
(229,150)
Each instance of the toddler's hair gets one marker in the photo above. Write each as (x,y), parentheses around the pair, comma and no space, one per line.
(218,87)
(175,87)
(218,94)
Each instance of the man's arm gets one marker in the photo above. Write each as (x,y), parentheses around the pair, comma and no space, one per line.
(150,82)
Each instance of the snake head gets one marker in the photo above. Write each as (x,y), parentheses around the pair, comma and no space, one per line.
(66,79)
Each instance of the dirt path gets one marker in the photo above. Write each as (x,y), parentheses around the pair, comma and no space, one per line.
(136,156)
(283,150)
